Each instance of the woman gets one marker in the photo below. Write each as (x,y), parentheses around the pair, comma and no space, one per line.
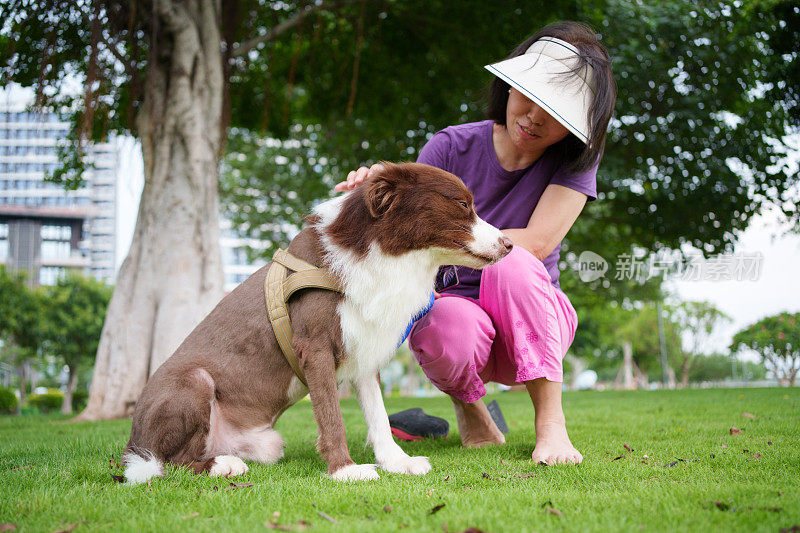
(531,168)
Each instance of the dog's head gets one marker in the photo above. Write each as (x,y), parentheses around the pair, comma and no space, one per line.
(411,206)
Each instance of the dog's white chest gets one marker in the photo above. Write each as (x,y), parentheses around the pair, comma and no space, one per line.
(382,295)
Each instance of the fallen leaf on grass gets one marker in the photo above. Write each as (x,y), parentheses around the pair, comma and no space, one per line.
(675,462)
(300,525)
(793,529)
(473,530)
(118,479)
(721,505)
(69,528)
(756,457)
(327,517)
(548,508)
(279,527)
(724,445)
(735,431)
(619,457)
(748,415)
(8,526)
(625,445)
(192,515)
(21,467)
(436,509)
(769,443)
(486,476)
(502,462)
(234,486)
(112,463)
(447,478)
(387,508)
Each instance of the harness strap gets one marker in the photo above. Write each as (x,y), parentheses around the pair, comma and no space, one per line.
(277,290)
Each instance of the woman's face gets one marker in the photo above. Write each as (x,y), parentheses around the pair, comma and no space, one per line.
(530,127)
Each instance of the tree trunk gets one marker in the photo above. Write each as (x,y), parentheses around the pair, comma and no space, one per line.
(627,366)
(685,367)
(23,383)
(72,382)
(172,276)
(578,366)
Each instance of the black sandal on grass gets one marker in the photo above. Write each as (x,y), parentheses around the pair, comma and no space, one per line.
(497,416)
(415,424)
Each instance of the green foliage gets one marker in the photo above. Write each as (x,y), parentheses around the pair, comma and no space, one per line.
(718,367)
(47,402)
(695,151)
(266,198)
(8,401)
(22,317)
(776,339)
(76,308)
(697,321)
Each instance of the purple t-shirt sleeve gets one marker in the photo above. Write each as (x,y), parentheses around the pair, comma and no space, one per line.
(436,151)
(585,182)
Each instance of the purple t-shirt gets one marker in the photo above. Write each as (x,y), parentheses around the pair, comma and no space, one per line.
(505,199)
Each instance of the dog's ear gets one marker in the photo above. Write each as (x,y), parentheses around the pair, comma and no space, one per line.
(381,191)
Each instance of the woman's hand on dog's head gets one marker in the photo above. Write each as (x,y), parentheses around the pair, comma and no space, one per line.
(355,177)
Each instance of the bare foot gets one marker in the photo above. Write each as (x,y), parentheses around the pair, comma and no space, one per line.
(475,424)
(553,445)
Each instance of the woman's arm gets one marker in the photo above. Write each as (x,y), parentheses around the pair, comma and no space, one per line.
(557,210)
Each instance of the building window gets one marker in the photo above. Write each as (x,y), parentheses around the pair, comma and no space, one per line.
(3,241)
(56,241)
(50,275)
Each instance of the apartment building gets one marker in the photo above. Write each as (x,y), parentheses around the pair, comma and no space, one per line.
(45,229)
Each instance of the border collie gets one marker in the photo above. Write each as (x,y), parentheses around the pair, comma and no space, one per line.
(215,401)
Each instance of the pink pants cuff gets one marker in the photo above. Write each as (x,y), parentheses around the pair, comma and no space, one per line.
(519,329)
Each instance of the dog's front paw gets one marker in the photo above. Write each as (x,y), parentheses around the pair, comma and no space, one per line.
(355,473)
(228,466)
(404,464)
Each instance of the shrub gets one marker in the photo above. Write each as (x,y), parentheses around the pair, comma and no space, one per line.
(8,401)
(45,403)
(79,399)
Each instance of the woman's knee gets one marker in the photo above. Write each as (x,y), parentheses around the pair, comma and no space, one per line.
(453,330)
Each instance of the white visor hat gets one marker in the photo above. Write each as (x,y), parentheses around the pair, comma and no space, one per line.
(544,74)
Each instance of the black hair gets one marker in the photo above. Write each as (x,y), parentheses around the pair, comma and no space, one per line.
(578,156)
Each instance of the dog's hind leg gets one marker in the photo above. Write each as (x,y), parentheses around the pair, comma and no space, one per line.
(263,445)
(388,454)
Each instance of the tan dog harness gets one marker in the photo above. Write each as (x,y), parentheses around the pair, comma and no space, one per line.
(278,288)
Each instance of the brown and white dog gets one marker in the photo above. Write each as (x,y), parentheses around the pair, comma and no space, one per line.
(216,400)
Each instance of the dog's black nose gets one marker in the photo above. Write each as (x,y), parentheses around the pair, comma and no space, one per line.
(506,243)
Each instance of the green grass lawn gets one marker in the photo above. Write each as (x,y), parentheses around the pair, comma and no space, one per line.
(55,474)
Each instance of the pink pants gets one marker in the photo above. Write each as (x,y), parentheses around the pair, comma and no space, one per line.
(518,329)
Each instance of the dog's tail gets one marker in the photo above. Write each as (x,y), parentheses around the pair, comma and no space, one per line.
(141,466)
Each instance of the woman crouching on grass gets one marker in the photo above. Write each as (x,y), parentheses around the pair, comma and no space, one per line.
(531,168)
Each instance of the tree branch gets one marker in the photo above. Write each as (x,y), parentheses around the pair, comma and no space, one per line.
(244,47)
